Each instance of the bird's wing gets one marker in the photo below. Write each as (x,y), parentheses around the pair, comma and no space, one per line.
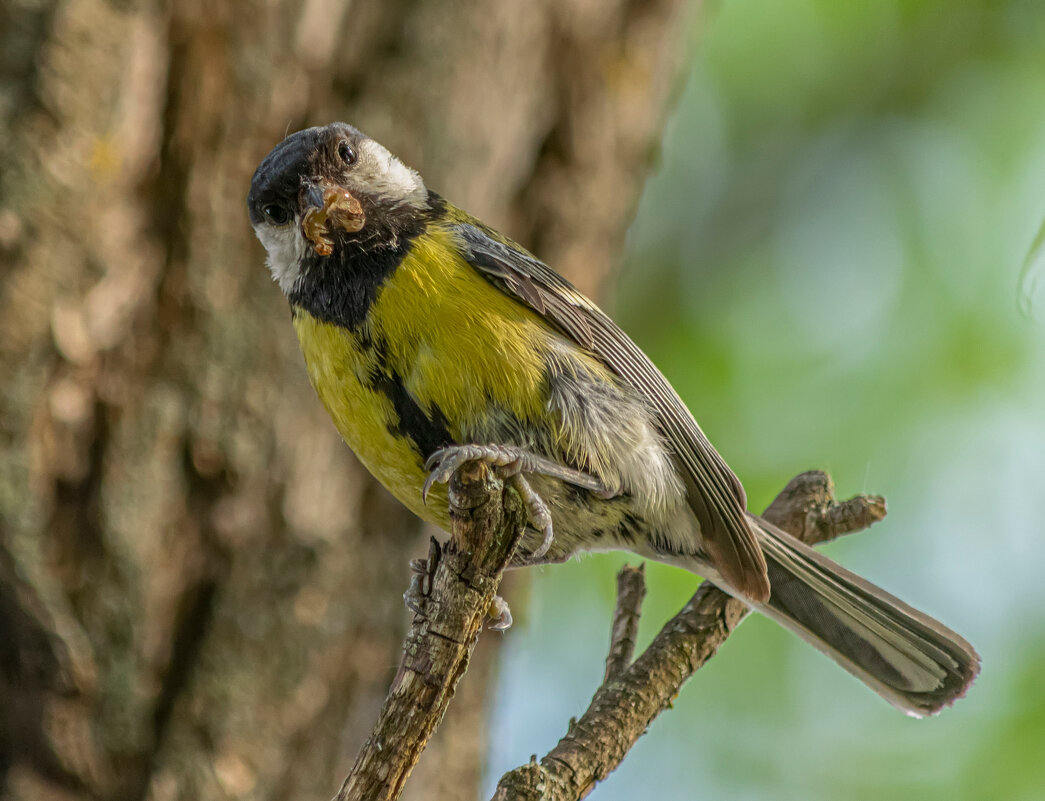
(713,492)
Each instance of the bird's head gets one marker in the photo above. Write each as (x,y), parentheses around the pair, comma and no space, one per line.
(324,189)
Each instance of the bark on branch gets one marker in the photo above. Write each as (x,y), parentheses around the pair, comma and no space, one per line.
(451,593)
(629,700)
(631,590)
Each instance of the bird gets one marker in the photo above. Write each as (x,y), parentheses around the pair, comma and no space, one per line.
(432,340)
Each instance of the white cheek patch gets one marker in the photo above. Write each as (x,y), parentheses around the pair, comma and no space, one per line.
(286,247)
(387,177)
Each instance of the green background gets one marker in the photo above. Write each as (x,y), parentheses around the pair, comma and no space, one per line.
(827,266)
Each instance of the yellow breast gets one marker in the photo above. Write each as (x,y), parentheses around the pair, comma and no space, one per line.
(439,337)
(340,368)
(460,343)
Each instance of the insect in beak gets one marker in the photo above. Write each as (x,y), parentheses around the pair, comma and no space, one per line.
(330,209)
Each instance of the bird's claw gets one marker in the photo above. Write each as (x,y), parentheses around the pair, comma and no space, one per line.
(511,463)
(443,462)
(538,512)
(500,614)
(426,488)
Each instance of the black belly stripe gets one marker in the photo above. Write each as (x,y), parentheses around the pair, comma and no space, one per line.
(427,431)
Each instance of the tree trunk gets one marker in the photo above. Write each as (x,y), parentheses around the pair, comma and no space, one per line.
(200,588)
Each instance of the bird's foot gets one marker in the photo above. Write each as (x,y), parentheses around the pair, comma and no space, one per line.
(500,614)
(510,463)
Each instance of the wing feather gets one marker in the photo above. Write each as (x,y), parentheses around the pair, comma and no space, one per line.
(714,493)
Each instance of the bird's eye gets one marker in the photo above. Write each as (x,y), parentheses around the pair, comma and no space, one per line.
(346,153)
(276,214)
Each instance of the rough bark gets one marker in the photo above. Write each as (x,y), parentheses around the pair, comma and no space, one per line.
(199,587)
(451,595)
(631,591)
(453,592)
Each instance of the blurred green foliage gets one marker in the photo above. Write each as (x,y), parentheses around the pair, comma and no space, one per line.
(827,267)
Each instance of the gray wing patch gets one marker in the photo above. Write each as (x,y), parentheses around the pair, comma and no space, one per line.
(519,274)
(714,493)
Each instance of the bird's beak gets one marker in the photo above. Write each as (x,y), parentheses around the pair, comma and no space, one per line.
(311,195)
(328,208)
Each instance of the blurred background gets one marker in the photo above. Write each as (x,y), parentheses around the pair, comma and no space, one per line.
(827,265)
(813,216)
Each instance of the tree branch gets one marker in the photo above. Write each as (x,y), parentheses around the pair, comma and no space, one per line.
(628,701)
(451,593)
(631,590)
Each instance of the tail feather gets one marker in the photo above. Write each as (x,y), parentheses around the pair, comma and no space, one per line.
(913,661)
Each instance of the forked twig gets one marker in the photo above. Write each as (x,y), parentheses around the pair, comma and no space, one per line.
(629,700)
(452,592)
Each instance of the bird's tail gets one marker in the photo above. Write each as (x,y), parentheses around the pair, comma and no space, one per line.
(913,661)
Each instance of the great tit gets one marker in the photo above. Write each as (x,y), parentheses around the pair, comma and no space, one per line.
(432,340)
